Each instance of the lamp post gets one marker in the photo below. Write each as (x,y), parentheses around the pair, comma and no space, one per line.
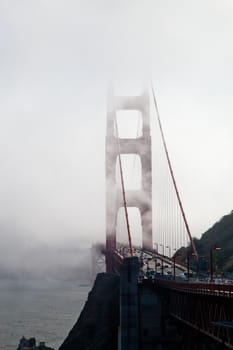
(212,248)
(189,254)
(161,245)
(147,266)
(156,247)
(174,264)
(202,265)
(155,258)
(169,249)
(188,264)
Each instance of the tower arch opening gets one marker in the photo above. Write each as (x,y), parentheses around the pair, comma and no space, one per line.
(135,223)
(129,123)
(132,171)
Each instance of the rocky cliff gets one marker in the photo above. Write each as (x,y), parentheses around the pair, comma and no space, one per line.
(97,326)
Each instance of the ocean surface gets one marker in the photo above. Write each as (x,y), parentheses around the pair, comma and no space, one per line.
(46,310)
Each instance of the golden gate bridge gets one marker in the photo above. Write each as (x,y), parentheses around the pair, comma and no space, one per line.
(207,308)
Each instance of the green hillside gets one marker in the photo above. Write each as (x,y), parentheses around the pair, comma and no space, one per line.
(219,235)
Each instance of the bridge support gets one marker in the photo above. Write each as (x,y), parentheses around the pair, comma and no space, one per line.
(129,308)
(141,146)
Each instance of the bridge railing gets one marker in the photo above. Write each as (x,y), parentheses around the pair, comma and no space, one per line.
(220,290)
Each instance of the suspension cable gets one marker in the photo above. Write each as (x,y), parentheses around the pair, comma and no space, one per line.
(172,174)
(123,189)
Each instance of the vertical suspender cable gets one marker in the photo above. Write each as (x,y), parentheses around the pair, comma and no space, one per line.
(123,189)
(172,175)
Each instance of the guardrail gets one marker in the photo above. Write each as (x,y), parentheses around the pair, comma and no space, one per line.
(219,290)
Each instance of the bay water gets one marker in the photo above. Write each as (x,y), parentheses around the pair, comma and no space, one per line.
(44,309)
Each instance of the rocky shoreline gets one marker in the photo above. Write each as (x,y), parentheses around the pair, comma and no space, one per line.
(97,325)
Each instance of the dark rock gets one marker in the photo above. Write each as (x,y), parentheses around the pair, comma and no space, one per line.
(97,326)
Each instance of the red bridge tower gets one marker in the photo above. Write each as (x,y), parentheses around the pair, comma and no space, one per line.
(142,198)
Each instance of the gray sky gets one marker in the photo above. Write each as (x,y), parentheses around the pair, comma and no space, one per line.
(56,61)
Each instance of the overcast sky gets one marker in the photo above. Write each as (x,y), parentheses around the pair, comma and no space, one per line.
(56,61)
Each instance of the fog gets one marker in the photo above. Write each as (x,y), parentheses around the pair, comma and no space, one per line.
(24,259)
(57,60)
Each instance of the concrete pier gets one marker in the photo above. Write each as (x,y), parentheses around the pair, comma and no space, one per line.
(129,309)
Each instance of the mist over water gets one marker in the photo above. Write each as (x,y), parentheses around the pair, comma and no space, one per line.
(27,258)
(43,288)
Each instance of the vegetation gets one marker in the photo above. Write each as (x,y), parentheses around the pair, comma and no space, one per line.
(219,238)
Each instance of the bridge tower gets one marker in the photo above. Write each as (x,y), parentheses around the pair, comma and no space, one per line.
(142,198)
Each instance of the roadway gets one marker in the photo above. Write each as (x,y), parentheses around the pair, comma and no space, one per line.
(154,265)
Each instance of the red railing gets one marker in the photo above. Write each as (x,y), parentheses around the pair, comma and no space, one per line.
(221,290)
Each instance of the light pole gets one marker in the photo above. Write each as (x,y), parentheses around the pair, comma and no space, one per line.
(202,265)
(211,264)
(161,245)
(212,248)
(155,258)
(169,249)
(174,263)
(147,266)
(188,265)
(174,267)
(189,254)
(156,247)
(188,262)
